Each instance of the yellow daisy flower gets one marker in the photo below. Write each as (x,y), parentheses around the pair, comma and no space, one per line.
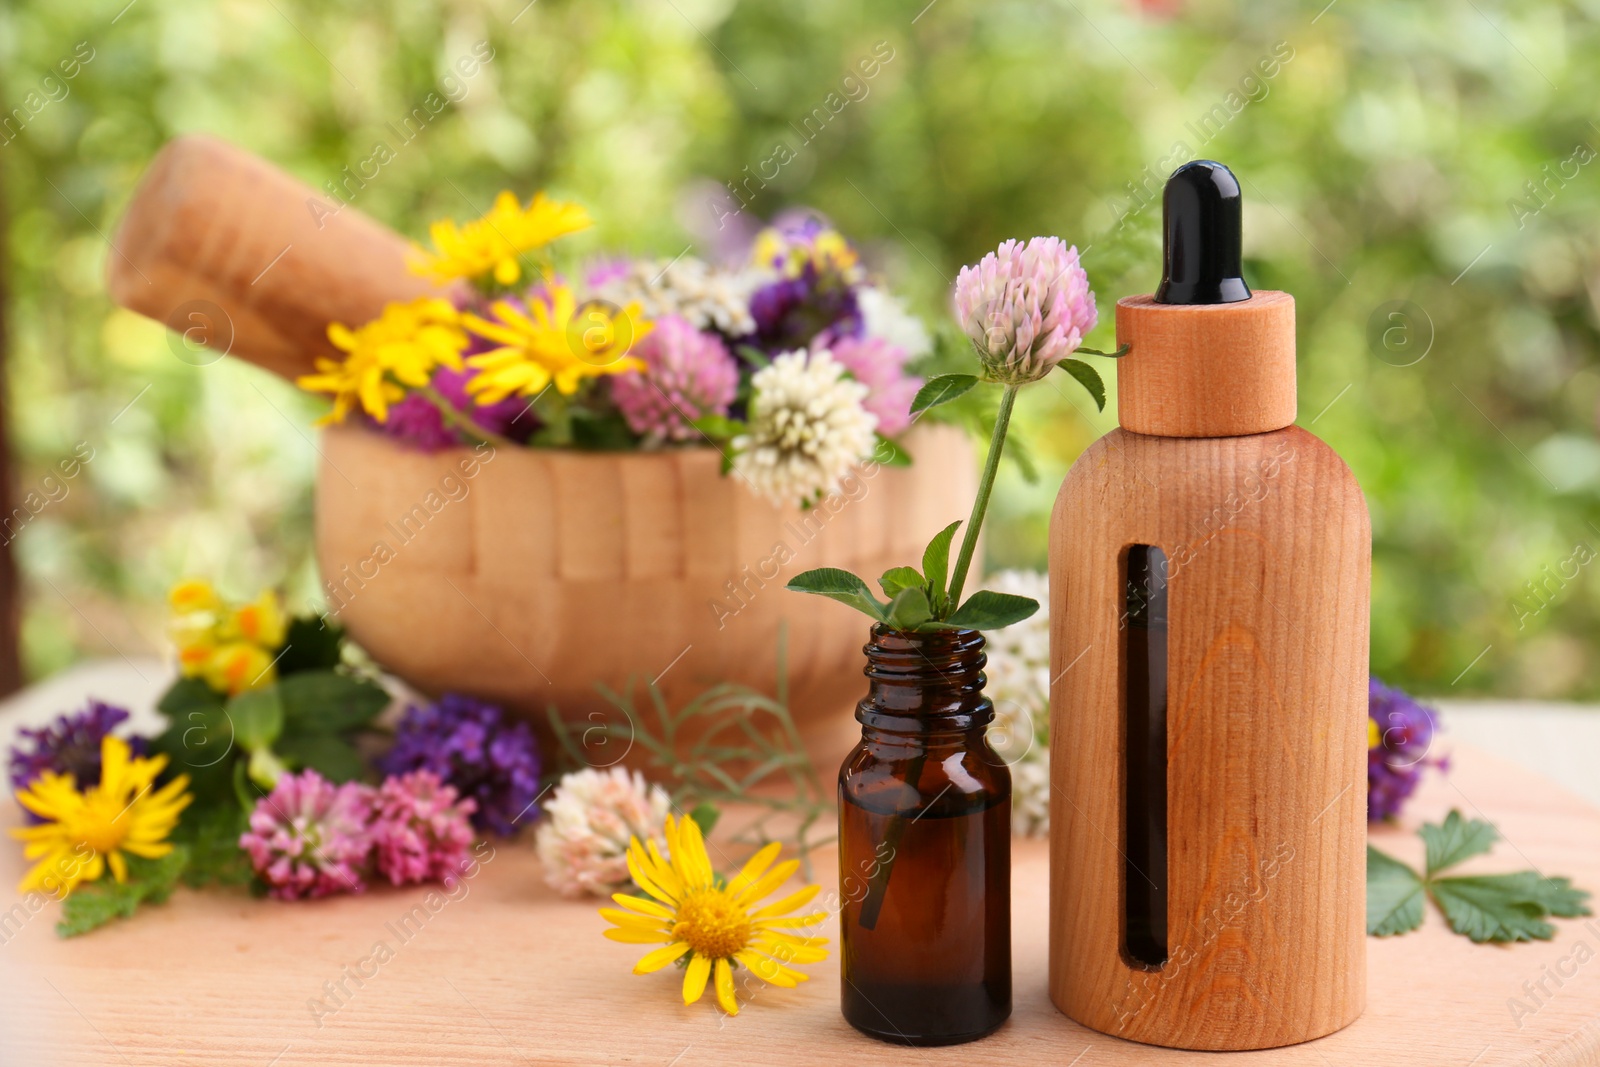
(489,247)
(713,922)
(555,340)
(401,347)
(87,832)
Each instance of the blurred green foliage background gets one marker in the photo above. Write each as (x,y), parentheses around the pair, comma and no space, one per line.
(1386,152)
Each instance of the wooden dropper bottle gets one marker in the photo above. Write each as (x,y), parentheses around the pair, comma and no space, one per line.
(1210,572)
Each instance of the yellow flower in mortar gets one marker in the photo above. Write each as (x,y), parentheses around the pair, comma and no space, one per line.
(401,347)
(555,341)
(86,832)
(261,621)
(715,923)
(239,665)
(490,247)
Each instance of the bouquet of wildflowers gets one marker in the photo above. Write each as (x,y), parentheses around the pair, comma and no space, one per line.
(792,363)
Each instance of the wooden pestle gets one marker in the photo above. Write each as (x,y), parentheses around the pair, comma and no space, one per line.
(227,249)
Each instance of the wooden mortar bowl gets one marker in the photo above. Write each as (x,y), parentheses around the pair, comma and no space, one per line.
(546,572)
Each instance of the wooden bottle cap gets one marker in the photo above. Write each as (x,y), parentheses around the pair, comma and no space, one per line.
(1206,370)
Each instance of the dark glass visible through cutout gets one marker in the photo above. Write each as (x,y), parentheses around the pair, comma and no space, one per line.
(1144,673)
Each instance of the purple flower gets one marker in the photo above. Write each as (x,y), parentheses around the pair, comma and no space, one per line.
(420,830)
(70,745)
(688,374)
(466,744)
(1400,742)
(815,289)
(309,838)
(880,366)
(1026,307)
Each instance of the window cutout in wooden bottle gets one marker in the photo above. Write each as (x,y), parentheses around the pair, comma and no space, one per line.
(1144,672)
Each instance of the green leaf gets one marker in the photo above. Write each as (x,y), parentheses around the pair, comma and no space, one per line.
(890,454)
(836,584)
(897,578)
(310,644)
(1456,840)
(1558,896)
(91,906)
(257,717)
(705,816)
(328,701)
(1394,896)
(329,755)
(1121,351)
(936,563)
(941,389)
(211,835)
(753,355)
(988,610)
(718,427)
(608,432)
(1491,908)
(1087,377)
(909,609)
(186,695)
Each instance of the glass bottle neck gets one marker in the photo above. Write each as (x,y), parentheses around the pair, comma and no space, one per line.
(924,685)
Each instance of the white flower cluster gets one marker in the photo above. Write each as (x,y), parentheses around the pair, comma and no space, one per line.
(808,427)
(582,841)
(704,296)
(885,316)
(1019,685)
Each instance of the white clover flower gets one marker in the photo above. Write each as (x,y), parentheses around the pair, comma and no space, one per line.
(885,316)
(1019,685)
(582,842)
(807,428)
(704,296)
(1030,795)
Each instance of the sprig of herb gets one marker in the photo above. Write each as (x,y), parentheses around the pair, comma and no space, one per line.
(732,748)
(1483,907)
(149,881)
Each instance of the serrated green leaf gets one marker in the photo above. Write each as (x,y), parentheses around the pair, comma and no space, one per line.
(941,389)
(1455,840)
(1087,377)
(840,585)
(211,832)
(936,563)
(257,717)
(1491,908)
(897,578)
(91,906)
(1558,896)
(328,701)
(889,453)
(1394,896)
(909,609)
(988,610)
(705,816)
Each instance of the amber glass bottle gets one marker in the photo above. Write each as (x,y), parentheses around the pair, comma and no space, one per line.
(925,847)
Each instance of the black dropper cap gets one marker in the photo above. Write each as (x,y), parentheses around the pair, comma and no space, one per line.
(1200,239)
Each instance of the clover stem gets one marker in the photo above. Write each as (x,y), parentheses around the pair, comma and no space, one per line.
(969,540)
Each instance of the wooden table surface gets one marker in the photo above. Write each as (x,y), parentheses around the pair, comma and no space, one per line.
(509,973)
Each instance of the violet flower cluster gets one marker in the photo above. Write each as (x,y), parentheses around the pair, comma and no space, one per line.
(311,838)
(69,745)
(470,746)
(1400,740)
